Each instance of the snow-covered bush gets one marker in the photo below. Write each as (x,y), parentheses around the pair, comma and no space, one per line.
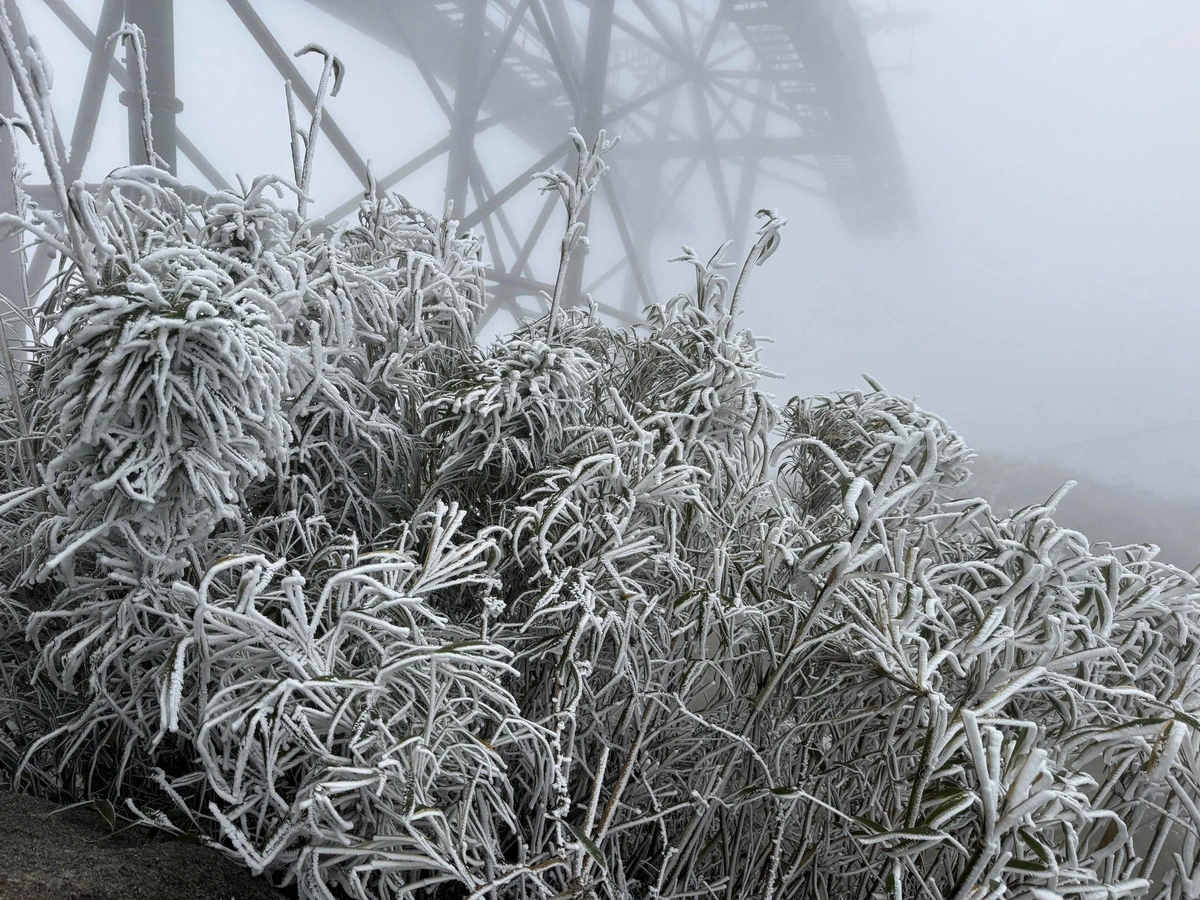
(295,567)
(163,391)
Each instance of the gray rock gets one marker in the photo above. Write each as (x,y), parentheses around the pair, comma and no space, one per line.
(73,855)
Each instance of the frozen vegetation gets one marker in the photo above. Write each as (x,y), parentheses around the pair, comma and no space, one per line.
(294,566)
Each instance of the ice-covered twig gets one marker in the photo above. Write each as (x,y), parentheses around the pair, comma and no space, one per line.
(576,192)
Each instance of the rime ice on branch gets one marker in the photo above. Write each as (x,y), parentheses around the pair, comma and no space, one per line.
(297,567)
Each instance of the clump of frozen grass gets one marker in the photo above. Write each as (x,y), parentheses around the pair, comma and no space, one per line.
(167,402)
(310,575)
(339,717)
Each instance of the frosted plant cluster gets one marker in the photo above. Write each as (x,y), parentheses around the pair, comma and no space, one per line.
(294,567)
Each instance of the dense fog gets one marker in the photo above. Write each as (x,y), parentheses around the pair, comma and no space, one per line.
(1049,297)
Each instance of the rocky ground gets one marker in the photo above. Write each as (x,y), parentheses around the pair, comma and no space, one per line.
(72,854)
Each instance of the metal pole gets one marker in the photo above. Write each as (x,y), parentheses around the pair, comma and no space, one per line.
(590,116)
(467,96)
(94,83)
(10,262)
(156,18)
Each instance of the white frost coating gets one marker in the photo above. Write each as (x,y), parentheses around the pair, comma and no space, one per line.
(583,613)
(174,689)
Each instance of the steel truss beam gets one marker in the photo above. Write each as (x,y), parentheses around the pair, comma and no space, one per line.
(738,114)
(746,91)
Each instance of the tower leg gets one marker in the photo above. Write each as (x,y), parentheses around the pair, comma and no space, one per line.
(10,261)
(590,115)
(156,18)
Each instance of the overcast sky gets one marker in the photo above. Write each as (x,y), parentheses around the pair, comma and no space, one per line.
(1051,296)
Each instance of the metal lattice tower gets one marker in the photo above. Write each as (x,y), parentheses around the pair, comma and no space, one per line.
(711,93)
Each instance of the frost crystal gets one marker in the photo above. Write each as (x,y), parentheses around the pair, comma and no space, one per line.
(296,567)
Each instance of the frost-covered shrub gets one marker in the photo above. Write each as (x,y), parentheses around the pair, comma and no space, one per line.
(338,717)
(304,572)
(389,312)
(163,395)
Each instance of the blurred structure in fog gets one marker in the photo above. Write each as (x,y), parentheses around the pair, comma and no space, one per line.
(710,98)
